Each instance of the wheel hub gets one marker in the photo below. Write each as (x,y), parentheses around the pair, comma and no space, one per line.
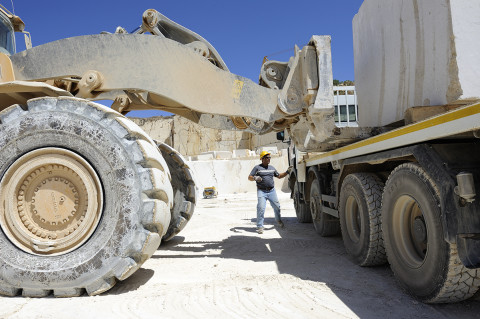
(411,235)
(353,219)
(52,201)
(53,192)
(420,230)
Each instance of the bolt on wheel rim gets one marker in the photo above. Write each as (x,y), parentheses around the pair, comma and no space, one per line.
(52,201)
(353,219)
(410,231)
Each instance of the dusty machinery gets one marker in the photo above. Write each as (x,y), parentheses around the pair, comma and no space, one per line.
(210,192)
(86,195)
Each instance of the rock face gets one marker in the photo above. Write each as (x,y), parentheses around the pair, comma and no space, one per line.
(192,139)
(414,53)
(218,158)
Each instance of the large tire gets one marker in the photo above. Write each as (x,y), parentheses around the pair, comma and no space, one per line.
(184,190)
(301,208)
(424,264)
(359,210)
(85,198)
(325,224)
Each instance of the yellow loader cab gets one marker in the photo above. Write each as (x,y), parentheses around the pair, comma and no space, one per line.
(209,192)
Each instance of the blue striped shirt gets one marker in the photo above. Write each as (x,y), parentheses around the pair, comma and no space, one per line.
(266,173)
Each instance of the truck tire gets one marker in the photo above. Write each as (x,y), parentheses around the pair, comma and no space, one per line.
(424,264)
(85,198)
(325,224)
(301,208)
(184,190)
(359,210)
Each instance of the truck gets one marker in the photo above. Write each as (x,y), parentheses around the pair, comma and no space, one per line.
(87,196)
(405,195)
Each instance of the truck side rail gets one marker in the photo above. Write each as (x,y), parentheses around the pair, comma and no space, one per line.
(461,120)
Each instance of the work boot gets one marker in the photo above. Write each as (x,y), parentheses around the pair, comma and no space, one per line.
(281,224)
(260,230)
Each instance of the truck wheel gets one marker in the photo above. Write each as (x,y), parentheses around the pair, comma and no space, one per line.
(85,198)
(325,224)
(425,265)
(184,190)
(359,210)
(301,208)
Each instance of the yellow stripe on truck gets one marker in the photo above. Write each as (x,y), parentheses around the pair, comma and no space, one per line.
(434,121)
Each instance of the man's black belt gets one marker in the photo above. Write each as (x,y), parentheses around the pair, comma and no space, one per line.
(265,188)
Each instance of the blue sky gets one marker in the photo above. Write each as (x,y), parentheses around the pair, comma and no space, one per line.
(242,32)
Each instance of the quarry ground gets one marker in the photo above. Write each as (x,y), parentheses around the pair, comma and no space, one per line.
(219,267)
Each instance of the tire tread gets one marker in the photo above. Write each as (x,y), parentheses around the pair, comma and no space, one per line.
(325,228)
(155,187)
(185,193)
(460,283)
(372,188)
(302,210)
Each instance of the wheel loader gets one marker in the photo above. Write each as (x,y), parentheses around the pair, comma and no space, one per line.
(87,196)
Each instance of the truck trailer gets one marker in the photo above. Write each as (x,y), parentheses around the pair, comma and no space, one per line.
(405,195)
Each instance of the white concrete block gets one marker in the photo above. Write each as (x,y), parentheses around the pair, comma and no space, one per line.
(231,176)
(219,154)
(271,149)
(241,153)
(223,154)
(204,157)
(413,53)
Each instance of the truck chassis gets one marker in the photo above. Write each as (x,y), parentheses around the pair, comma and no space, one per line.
(406,197)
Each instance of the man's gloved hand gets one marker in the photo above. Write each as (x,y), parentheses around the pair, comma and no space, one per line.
(289,169)
(257,178)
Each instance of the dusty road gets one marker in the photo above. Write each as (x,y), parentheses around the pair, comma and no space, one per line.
(218,267)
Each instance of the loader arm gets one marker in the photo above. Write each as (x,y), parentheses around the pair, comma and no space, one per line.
(179,72)
(153,72)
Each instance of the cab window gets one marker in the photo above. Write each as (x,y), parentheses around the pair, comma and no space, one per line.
(7,42)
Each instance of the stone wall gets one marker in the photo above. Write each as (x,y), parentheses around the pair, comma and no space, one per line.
(218,158)
(192,139)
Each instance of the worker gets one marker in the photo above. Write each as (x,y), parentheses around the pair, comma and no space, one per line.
(263,175)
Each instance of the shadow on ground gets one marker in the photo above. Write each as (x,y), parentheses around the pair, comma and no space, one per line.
(302,253)
(135,281)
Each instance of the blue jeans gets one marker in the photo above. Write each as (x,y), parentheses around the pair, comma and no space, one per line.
(263,196)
